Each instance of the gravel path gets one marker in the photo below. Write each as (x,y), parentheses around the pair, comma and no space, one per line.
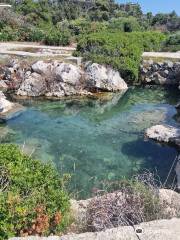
(11,48)
(168,55)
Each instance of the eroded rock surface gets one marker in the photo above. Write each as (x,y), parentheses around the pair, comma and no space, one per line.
(163,133)
(103,78)
(58,79)
(8,109)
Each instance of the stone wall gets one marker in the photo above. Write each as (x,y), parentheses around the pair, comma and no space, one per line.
(160,72)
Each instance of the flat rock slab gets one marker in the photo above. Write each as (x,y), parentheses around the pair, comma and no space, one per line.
(156,230)
(12,113)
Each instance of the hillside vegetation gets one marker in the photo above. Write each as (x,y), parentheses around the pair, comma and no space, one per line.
(105,32)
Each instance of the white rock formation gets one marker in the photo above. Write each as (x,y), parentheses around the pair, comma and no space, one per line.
(34,86)
(103,78)
(163,133)
(5,105)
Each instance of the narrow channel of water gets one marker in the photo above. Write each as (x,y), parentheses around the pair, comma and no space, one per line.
(97,140)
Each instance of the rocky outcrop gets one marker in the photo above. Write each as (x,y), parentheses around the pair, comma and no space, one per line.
(164,133)
(167,134)
(8,109)
(59,79)
(67,80)
(103,78)
(34,86)
(162,73)
(156,230)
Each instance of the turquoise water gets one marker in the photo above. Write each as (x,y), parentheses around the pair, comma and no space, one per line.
(99,139)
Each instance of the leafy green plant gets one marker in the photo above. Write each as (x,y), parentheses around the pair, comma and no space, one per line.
(172,43)
(120,50)
(56,37)
(32,195)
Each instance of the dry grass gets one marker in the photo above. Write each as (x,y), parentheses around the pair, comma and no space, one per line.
(136,201)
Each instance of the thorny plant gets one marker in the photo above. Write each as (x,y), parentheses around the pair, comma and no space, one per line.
(136,201)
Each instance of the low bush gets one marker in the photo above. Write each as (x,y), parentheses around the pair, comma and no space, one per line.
(55,37)
(120,50)
(172,43)
(32,196)
(135,201)
(125,24)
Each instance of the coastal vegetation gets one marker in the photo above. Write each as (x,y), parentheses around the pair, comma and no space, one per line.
(120,50)
(93,140)
(33,199)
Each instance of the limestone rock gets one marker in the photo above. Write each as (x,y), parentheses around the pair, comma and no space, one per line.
(171,199)
(33,86)
(42,67)
(67,80)
(5,105)
(103,78)
(163,133)
(68,73)
(156,230)
(8,109)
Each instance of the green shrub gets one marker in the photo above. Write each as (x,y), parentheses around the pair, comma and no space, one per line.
(32,195)
(36,35)
(55,37)
(8,34)
(120,50)
(172,43)
(125,24)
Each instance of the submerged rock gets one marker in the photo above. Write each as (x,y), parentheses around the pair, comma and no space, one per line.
(103,78)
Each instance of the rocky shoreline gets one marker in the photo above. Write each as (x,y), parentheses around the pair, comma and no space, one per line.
(58,79)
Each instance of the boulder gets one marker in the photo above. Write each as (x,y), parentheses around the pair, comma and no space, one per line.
(171,200)
(5,105)
(34,85)
(163,133)
(42,67)
(66,81)
(99,77)
(68,73)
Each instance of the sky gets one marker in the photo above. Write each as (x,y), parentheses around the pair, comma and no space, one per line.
(155,6)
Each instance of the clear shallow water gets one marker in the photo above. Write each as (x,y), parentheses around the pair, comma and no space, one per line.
(96,139)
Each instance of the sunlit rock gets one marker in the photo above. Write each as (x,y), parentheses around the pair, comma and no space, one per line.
(103,78)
